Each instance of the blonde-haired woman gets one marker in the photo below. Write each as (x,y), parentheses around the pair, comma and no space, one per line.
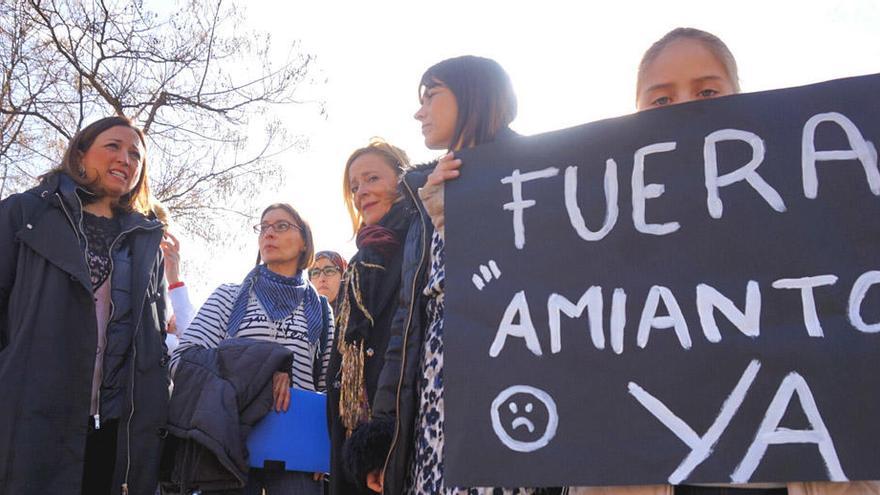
(380,219)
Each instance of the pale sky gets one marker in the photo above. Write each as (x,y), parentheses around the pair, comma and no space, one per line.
(571,63)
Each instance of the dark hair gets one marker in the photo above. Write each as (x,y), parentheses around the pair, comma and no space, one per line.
(483,92)
(139,197)
(709,40)
(307,257)
(395,157)
(332,257)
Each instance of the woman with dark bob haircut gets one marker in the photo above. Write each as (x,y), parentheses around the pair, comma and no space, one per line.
(274,304)
(83,369)
(464,102)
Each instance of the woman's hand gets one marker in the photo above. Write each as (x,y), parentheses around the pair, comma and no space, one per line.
(431,193)
(281,391)
(171,249)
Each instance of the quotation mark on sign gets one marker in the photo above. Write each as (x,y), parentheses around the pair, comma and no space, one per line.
(486,274)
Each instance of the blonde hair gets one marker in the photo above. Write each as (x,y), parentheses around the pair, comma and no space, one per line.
(395,157)
(709,40)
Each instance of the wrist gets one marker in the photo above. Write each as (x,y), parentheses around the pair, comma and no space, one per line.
(175,285)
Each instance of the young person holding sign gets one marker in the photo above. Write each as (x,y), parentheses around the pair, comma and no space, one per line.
(688,65)
(465,101)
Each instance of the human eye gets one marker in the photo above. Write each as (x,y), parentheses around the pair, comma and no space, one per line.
(661,101)
(134,154)
(112,145)
(282,226)
(708,93)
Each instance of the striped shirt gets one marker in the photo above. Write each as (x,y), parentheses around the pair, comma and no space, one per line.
(209,328)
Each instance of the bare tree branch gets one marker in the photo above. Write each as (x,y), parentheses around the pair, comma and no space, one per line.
(198,84)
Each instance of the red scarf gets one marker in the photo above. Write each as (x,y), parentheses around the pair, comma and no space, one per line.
(378,238)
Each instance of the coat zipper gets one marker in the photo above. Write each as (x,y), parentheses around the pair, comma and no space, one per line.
(97,417)
(133,341)
(406,331)
(133,363)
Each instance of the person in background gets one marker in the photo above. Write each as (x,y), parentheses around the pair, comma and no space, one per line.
(465,102)
(326,275)
(380,218)
(83,369)
(274,303)
(686,65)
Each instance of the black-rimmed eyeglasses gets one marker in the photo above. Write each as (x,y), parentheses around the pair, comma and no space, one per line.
(328,271)
(278,227)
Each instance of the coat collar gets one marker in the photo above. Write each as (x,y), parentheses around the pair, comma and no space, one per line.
(52,236)
(71,195)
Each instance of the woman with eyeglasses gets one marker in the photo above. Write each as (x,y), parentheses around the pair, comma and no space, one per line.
(273,303)
(326,275)
(380,219)
(464,102)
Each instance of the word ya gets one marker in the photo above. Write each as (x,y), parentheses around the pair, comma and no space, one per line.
(860,149)
(769,432)
(517,321)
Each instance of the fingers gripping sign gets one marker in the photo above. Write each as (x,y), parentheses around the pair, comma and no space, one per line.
(431,193)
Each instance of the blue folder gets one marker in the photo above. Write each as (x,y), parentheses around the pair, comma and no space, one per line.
(296,440)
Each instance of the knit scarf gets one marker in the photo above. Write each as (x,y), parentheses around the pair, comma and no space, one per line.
(376,245)
(279,296)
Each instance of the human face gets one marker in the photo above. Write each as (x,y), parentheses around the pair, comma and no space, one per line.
(281,251)
(373,184)
(326,285)
(114,161)
(685,70)
(438,113)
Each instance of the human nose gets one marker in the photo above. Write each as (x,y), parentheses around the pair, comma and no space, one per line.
(362,191)
(420,113)
(124,158)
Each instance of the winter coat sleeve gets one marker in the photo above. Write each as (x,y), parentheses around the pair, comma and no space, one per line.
(8,255)
(385,402)
(208,328)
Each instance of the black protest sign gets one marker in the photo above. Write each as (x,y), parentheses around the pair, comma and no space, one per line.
(690,294)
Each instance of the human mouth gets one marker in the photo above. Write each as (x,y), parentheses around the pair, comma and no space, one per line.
(119,175)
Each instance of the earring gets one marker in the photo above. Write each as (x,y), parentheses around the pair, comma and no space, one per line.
(82,172)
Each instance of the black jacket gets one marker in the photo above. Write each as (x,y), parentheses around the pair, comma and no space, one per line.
(48,337)
(397,396)
(219,395)
(379,291)
(397,390)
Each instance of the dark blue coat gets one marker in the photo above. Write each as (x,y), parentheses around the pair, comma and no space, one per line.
(48,337)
